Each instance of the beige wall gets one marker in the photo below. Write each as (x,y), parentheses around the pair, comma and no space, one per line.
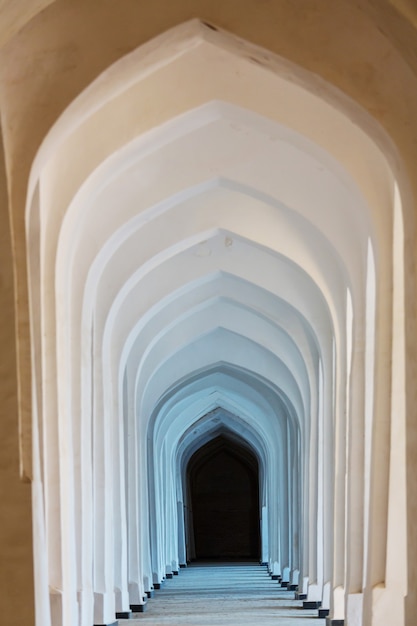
(16,577)
(15,14)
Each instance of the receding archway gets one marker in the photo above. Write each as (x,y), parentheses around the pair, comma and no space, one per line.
(224,486)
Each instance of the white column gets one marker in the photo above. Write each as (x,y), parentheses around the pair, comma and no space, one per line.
(103,498)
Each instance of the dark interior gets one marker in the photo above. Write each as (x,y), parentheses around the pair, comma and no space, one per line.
(224,484)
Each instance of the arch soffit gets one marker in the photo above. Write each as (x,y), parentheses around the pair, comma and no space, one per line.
(138,214)
(249,419)
(218,287)
(136,313)
(184,43)
(273,303)
(268,443)
(256,400)
(292,370)
(288,281)
(223,431)
(219,312)
(281,86)
(211,425)
(324,264)
(269,417)
(224,439)
(219,345)
(133,317)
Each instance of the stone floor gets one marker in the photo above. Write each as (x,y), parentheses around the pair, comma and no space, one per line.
(232,594)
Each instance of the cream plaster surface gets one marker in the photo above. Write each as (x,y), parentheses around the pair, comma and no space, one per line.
(14,15)
(16,549)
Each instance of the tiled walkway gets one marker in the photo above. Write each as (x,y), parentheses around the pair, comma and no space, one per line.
(233,594)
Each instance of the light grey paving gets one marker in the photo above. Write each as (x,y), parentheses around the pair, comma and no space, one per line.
(233,594)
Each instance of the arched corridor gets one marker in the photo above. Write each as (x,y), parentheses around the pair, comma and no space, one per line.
(221,294)
(218,268)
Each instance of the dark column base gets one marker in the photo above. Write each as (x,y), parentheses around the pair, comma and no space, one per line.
(334,622)
(300,596)
(263,564)
(274,576)
(150,594)
(285,583)
(311,604)
(138,608)
(182,565)
(124,615)
(323,613)
(175,573)
(112,624)
(292,587)
(157,585)
(169,576)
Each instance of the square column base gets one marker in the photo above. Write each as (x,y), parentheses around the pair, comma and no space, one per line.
(300,596)
(311,604)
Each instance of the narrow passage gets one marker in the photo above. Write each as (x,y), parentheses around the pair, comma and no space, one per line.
(232,594)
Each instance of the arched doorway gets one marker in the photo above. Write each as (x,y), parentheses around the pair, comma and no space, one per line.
(224,488)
